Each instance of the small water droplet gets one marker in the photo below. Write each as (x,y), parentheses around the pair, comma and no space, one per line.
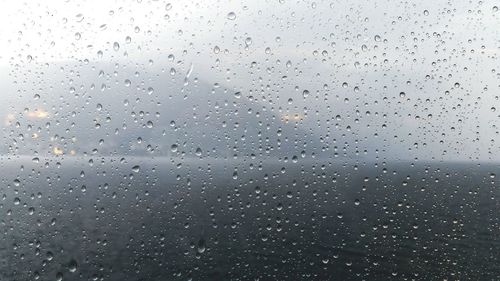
(173,148)
(231,16)
(248,41)
(72,266)
(201,246)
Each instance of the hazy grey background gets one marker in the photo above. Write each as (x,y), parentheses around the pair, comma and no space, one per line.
(258,140)
(222,77)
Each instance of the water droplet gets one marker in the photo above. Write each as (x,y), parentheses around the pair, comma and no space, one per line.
(116,46)
(79,17)
(173,148)
(201,246)
(72,266)
(248,41)
(231,16)
(136,168)
(190,70)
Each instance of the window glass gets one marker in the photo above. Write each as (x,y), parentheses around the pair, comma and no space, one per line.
(249,140)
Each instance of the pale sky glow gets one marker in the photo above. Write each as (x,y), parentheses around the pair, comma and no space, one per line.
(353,58)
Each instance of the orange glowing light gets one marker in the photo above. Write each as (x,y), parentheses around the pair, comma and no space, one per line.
(294,117)
(57,151)
(37,114)
(9,118)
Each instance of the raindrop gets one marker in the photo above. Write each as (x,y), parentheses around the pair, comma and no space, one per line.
(72,266)
(231,16)
(201,246)
(305,93)
(173,148)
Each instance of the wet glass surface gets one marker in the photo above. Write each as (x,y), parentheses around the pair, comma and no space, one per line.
(310,219)
(249,140)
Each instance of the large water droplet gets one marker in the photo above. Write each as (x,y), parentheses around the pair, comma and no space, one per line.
(136,168)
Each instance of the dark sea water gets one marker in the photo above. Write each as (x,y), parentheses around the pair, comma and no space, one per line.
(161,219)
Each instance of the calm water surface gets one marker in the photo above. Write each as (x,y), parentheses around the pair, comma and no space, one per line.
(161,219)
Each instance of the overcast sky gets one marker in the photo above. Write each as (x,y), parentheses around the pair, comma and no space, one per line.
(353,60)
